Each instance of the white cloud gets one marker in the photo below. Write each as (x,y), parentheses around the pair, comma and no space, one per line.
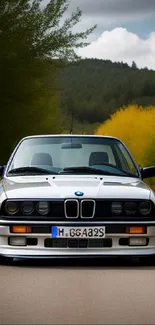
(121,45)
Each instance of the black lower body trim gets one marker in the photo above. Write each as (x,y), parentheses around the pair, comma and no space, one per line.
(73,257)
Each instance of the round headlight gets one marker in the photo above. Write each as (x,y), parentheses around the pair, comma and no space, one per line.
(12,207)
(27,207)
(145,208)
(43,208)
(130,208)
(116,208)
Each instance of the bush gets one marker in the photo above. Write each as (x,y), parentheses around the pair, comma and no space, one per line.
(135,126)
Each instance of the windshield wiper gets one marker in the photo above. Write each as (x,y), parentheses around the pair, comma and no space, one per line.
(86,170)
(119,169)
(30,170)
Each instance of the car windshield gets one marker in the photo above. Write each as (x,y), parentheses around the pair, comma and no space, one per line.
(70,155)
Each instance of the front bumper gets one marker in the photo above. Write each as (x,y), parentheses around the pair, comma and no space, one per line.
(40,251)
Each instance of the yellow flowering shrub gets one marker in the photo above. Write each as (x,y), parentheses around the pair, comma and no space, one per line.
(135,126)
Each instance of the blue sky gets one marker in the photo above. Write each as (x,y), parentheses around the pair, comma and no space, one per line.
(143,27)
(125,31)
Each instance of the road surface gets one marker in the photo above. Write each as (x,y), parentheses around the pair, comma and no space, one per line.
(77,293)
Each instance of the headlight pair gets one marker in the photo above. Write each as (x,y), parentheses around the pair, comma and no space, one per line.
(27,207)
(131,208)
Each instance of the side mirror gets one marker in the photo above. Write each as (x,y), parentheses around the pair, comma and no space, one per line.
(2,168)
(148,172)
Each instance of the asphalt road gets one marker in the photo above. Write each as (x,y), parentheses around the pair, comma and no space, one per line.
(77,293)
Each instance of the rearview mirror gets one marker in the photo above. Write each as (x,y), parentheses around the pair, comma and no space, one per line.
(71,145)
(148,172)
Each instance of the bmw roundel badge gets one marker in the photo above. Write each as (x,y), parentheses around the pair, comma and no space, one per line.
(79,193)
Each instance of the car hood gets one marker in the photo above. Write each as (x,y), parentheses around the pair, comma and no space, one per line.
(65,186)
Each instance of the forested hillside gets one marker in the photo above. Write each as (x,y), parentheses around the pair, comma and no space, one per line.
(94,89)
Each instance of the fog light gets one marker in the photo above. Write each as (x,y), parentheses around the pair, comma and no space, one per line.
(136,230)
(17,241)
(137,241)
(21,229)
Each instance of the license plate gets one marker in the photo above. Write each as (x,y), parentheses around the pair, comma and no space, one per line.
(77,232)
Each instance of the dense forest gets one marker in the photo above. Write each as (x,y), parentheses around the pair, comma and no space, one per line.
(94,89)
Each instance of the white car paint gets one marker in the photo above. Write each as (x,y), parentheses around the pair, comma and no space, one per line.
(62,187)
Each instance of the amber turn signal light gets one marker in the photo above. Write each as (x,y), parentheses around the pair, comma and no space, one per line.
(21,229)
(136,230)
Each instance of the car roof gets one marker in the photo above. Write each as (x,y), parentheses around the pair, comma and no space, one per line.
(70,135)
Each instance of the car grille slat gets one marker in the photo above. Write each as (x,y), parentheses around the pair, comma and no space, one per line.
(57,209)
(77,243)
(88,209)
(71,208)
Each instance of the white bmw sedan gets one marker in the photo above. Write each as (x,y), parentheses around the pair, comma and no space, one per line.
(75,196)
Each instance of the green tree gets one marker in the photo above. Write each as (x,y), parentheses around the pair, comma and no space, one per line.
(134,65)
(33,45)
